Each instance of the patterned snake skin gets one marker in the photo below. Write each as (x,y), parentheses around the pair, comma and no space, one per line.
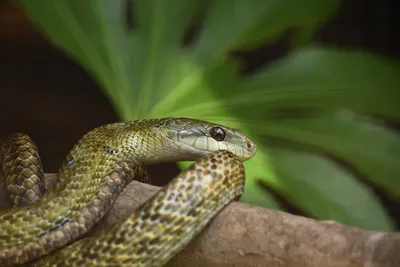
(93,174)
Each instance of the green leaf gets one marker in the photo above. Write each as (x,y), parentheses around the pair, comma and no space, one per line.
(326,79)
(157,59)
(146,73)
(75,26)
(136,67)
(303,17)
(372,149)
(232,24)
(197,87)
(312,78)
(326,191)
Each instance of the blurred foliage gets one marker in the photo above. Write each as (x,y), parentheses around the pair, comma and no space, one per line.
(146,71)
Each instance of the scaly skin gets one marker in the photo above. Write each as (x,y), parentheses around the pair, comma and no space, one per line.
(94,173)
(23,169)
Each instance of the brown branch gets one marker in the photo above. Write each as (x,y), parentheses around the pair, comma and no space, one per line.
(249,236)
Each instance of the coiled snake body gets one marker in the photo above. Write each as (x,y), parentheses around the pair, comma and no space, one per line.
(98,167)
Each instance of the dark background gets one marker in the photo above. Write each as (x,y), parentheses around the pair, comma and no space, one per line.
(46,95)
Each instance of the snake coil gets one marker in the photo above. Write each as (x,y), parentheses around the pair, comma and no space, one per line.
(46,229)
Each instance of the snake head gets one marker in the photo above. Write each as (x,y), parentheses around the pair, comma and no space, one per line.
(195,138)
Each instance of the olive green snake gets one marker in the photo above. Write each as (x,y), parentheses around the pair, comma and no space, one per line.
(46,229)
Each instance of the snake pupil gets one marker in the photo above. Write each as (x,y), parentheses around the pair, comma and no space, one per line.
(217,133)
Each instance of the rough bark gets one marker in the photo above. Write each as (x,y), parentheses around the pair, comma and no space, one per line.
(249,236)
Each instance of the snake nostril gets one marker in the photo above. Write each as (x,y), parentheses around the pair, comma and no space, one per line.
(248,144)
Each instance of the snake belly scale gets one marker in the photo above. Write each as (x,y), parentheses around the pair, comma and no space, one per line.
(46,229)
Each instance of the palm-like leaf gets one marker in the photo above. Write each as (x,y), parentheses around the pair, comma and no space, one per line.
(146,72)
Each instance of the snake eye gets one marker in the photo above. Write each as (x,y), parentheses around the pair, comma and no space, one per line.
(217,133)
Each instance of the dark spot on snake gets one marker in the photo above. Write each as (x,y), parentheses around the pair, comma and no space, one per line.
(143,243)
(154,240)
(225,181)
(62,221)
(71,163)
(43,233)
(163,219)
(180,221)
(141,250)
(109,150)
(56,225)
(90,255)
(179,232)
(194,212)
(159,206)
(119,240)
(200,203)
(154,217)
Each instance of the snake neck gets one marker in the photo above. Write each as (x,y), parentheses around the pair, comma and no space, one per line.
(93,174)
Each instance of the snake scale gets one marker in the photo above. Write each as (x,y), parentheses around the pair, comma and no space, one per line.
(47,228)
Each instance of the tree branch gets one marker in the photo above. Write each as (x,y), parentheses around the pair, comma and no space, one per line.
(249,236)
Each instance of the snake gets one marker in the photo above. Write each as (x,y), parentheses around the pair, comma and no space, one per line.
(49,227)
